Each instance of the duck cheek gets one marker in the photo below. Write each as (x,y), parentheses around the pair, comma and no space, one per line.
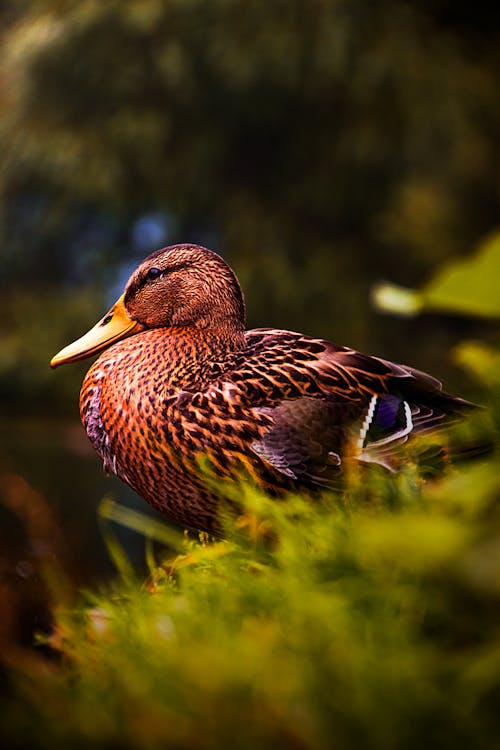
(151,312)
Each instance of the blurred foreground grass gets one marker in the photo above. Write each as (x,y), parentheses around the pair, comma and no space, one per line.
(369,621)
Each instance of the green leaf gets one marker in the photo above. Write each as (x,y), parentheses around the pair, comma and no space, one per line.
(469,286)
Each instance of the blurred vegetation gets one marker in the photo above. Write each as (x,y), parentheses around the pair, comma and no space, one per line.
(321,146)
(368,621)
(468,286)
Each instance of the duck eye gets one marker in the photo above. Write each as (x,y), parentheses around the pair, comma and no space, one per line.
(153,273)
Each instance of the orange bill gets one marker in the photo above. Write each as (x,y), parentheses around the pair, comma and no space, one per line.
(116,325)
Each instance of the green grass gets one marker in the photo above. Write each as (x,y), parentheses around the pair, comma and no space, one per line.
(365,621)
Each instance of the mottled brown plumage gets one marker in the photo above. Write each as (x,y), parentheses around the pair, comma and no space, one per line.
(187,383)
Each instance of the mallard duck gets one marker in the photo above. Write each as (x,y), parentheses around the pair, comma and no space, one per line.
(180,382)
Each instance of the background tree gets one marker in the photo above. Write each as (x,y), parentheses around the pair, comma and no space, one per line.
(320,145)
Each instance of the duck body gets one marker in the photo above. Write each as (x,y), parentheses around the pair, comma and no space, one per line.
(188,404)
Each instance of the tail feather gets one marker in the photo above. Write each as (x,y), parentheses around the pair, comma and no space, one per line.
(391,418)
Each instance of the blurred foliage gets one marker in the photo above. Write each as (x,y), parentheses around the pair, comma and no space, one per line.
(469,286)
(482,360)
(371,623)
(246,113)
(32,327)
(319,145)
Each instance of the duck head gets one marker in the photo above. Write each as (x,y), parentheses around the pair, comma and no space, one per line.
(181,285)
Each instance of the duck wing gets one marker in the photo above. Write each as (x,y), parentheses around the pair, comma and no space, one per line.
(324,403)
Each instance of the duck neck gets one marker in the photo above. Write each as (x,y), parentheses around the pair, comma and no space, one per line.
(215,341)
(223,338)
